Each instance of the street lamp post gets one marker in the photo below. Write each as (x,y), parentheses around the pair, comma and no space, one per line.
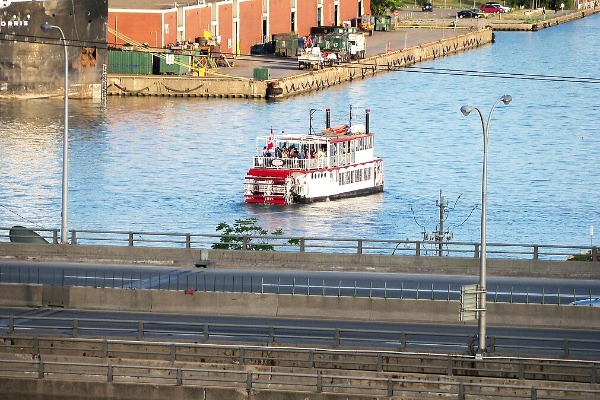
(65,173)
(481,304)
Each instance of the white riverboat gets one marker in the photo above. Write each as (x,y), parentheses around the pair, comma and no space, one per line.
(335,163)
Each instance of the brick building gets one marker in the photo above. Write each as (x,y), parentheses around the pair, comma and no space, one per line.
(239,24)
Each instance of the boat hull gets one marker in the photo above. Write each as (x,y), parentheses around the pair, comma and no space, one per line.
(282,187)
(32,61)
(345,195)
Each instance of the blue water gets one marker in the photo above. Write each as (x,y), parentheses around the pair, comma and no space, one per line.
(177,165)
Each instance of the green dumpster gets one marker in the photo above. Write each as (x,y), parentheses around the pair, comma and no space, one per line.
(383,23)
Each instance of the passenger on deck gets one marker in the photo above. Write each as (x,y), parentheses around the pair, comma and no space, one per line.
(293,152)
(302,152)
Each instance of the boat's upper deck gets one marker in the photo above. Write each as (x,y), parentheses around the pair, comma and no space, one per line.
(333,147)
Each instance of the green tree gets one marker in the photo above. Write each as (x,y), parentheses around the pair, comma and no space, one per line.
(383,7)
(233,237)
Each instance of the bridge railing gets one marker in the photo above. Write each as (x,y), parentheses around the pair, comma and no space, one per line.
(559,370)
(309,244)
(454,343)
(335,383)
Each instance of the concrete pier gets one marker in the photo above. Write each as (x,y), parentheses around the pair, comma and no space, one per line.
(288,80)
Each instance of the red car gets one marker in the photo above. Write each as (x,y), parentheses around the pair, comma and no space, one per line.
(491,8)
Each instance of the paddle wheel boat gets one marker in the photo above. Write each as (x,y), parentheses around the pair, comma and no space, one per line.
(335,163)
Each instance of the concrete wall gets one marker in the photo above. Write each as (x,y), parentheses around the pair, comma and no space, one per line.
(292,306)
(180,86)
(24,389)
(306,261)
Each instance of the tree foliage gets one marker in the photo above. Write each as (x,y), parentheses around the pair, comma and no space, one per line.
(246,231)
(383,7)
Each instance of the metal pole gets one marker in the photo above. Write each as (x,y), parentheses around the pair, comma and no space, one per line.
(440,237)
(65,173)
(481,304)
(483,262)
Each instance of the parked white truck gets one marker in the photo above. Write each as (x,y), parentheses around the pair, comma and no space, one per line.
(310,57)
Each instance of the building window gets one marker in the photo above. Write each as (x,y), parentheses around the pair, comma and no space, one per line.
(293,24)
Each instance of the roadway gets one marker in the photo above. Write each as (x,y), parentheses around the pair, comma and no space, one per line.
(445,338)
(302,282)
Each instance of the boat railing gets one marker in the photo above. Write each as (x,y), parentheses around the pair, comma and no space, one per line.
(289,163)
(346,159)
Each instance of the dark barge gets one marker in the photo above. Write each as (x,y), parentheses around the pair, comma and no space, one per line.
(32,61)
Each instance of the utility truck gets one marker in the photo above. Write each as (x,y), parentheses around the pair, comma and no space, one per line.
(332,45)
(310,57)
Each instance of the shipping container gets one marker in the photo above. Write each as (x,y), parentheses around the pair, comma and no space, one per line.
(129,62)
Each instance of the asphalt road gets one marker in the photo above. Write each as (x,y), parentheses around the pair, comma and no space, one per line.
(371,334)
(330,283)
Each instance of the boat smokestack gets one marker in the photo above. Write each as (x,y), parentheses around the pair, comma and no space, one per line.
(327,118)
(367,111)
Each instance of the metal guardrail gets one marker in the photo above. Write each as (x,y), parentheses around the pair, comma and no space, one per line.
(268,284)
(273,334)
(338,383)
(315,244)
(295,357)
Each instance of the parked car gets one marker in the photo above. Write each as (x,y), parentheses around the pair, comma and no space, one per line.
(594,302)
(504,8)
(427,7)
(492,9)
(471,13)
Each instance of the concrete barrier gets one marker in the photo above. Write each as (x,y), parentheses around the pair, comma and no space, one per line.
(14,295)
(304,260)
(47,389)
(293,306)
